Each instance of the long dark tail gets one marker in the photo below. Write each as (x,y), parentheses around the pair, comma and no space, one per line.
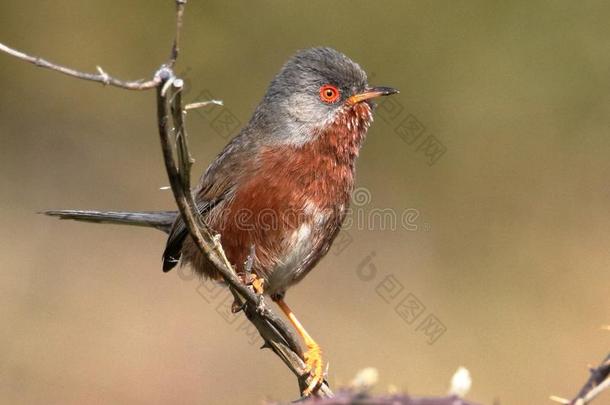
(161,220)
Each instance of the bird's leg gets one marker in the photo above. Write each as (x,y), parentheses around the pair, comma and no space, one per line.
(313,356)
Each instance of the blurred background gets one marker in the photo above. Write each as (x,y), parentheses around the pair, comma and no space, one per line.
(497,145)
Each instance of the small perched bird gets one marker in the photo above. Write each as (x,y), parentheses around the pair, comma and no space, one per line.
(279,191)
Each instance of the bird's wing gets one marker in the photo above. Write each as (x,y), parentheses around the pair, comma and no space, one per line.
(216,185)
(177,234)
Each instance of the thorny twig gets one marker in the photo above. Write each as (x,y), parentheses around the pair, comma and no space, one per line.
(598,381)
(170,114)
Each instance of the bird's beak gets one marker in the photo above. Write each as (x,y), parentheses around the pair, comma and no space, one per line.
(371,93)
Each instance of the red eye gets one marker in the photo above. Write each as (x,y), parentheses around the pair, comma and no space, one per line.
(329,94)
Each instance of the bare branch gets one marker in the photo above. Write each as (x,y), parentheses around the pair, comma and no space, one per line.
(180,5)
(200,104)
(363,398)
(598,381)
(100,77)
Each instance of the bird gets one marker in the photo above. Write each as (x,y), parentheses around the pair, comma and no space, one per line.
(279,191)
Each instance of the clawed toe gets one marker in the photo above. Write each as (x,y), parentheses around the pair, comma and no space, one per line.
(314,362)
(313,356)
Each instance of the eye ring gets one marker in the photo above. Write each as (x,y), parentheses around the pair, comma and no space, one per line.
(329,93)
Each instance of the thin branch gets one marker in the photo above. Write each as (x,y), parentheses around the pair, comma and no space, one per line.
(100,77)
(200,104)
(180,5)
(350,397)
(598,381)
(185,160)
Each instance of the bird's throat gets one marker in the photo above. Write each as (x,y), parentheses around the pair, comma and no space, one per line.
(344,136)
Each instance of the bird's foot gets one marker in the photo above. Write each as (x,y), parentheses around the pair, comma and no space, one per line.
(314,362)
(257,283)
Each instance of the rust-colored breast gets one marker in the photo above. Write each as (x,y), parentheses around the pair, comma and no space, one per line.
(292,203)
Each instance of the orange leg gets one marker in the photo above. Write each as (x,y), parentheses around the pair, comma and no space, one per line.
(313,356)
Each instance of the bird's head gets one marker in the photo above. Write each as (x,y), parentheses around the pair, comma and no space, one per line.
(316,88)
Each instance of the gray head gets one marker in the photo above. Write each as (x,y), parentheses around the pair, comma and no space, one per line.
(311,90)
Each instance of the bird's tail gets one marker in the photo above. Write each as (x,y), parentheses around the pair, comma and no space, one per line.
(161,220)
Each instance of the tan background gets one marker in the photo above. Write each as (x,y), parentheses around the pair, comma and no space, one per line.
(511,255)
